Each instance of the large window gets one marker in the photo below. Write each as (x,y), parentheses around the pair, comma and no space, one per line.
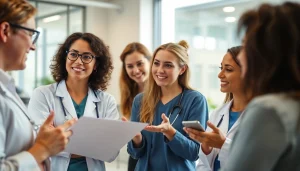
(209,26)
(55,22)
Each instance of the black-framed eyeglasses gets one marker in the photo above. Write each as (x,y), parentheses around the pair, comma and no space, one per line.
(85,57)
(34,34)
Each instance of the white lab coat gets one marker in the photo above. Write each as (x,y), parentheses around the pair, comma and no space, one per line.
(206,162)
(46,98)
(16,133)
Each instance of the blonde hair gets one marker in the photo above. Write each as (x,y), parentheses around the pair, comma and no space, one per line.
(16,11)
(152,92)
(128,87)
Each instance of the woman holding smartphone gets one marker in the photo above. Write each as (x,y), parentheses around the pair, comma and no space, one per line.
(269,139)
(223,122)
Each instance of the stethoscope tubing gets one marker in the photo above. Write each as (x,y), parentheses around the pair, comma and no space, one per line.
(178,105)
(65,113)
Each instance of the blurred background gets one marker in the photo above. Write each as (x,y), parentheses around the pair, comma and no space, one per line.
(209,26)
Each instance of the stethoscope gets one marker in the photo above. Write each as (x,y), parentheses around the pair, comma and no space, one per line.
(68,117)
(177,106)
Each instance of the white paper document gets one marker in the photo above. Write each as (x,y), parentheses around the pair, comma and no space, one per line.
(101,138)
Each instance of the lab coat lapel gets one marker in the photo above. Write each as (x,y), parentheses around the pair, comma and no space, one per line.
(90,107)
(5,91)
(63,93)
(225,112)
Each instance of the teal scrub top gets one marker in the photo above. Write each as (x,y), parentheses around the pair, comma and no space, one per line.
(78,164)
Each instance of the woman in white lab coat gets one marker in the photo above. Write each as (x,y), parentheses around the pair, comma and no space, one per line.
(223,122)
(81,68)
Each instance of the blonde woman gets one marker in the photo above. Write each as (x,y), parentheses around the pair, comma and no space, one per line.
(135,72)
(167,100)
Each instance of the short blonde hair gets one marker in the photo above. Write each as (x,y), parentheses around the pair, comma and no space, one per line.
(16,11)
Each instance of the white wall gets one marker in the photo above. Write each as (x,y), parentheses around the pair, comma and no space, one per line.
(117,28)
(97,22)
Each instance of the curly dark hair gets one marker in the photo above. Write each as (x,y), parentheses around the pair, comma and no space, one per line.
(104,67)
(272,42)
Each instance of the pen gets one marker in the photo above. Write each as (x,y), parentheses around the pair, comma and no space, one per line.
(219,123)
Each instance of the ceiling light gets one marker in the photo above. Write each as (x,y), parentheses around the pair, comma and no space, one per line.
(52,18)
(230,19)
(228,9)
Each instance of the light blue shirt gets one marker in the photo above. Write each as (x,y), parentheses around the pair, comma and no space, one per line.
(233,117)
(156,152)
(16,133)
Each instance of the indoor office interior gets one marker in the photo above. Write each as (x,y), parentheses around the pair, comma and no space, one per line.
(209,26)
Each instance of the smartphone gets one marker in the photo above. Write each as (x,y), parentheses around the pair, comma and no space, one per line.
(193,124)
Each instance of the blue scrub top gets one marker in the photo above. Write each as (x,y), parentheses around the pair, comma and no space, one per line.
(156,152)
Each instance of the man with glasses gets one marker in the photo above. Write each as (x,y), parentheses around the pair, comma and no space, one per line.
(18,149)
(34,34)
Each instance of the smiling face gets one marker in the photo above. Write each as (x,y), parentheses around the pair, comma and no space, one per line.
(230,75)
(77,69)
(165,69)
(136,65)
(18,46)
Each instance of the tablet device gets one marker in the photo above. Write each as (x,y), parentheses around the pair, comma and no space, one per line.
(193,124)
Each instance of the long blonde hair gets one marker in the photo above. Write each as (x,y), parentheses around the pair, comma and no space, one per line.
(152,92)
(128,87)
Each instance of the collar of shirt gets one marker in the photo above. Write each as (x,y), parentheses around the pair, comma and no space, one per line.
(8,81)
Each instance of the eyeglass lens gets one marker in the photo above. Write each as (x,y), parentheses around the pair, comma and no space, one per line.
(85,57)
(34,37)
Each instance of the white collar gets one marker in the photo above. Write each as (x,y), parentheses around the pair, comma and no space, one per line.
(7,81)
(61,91)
